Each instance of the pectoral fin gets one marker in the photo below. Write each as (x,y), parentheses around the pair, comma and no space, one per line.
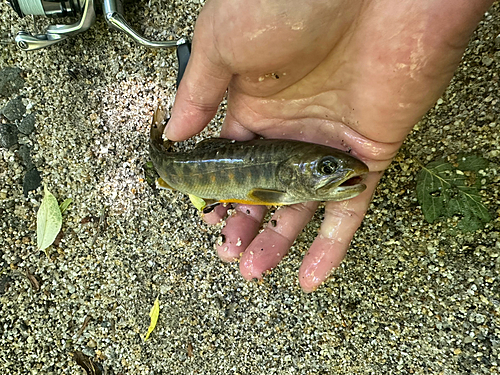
(163,185)
(268,197)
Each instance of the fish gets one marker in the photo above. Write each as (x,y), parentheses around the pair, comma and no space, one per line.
(271,172)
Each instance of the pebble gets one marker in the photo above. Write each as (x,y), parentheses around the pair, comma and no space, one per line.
(10,81)
(27,124)
(8,135)
(14,110)
(487,61)
(25,154)
(32,181)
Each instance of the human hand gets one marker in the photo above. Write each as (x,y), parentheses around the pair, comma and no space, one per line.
(351,74)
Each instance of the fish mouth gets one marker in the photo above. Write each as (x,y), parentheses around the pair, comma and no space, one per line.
(353,182)
(351,186)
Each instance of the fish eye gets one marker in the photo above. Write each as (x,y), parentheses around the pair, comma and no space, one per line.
(327,166)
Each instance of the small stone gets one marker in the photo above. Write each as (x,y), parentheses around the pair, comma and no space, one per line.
(32,180)
(468,340)
(497,42)
(5,282)
(71,288)
(14,110)
(8,135)
(24,153)
(10,81)
(487,61)
(27,125)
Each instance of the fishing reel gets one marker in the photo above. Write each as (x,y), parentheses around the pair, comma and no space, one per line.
(86,11)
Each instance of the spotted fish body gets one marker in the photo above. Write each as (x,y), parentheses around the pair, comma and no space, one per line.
(261,171)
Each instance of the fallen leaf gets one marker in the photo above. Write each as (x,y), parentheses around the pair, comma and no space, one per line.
(64,205)
(198,202)
(48,221)
(154,313)
(88,219)
(90,367)
(444,191)
(59,237)
(86,322)
(35,284)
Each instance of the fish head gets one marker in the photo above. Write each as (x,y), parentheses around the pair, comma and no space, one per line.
(323,173)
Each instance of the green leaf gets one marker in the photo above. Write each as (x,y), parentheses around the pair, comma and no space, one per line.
(444,191)
(472,163)
(64,205)
(48,221)
(198,202)
(154,313)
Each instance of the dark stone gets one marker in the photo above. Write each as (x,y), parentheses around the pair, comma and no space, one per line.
(8,135)
(28,124)
(14,110)
(24,153)
(5,283)
(32,181)
(10,81)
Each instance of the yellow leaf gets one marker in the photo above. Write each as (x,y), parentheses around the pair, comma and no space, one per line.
(154,313)
(198,202)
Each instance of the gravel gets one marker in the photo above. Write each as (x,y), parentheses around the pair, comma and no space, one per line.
(411,297)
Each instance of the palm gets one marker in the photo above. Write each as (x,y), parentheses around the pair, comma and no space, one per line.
(349,74)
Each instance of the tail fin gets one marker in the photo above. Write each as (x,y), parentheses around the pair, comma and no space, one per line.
(158,125)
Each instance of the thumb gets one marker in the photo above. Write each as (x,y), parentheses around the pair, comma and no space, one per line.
(200,93)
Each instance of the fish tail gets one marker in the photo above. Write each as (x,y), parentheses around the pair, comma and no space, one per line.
(158,125)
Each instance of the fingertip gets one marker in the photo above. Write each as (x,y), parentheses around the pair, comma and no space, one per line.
(216,215)
(322,258)
(241,228)
(264,253)
(307,287)
(248,271)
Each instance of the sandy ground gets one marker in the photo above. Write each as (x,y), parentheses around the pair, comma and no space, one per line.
(411,297)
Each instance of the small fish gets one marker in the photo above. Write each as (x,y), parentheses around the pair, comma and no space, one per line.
(262,171)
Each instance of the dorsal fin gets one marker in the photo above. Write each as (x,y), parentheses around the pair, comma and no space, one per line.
(212,144)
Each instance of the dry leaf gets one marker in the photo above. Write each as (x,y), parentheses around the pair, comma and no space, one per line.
(86,322)
(90,367)
(35,284)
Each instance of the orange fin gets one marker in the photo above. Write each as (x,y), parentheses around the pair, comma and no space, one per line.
(262,197)
(163,185)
